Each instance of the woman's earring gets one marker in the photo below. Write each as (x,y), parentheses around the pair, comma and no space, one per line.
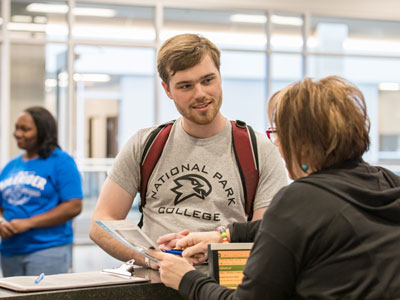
(304,167)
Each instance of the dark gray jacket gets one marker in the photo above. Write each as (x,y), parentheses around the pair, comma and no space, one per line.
(332,235)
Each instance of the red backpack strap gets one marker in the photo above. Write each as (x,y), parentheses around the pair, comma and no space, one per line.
(153,148)
(245,148)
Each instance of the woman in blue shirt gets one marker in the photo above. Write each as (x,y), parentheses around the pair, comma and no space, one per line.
(40,193)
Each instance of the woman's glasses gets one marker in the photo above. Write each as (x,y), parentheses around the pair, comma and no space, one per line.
(272,134)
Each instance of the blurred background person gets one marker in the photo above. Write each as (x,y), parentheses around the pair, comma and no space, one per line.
(40,193)
(333,233)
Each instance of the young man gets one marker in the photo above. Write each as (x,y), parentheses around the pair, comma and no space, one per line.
(196,183)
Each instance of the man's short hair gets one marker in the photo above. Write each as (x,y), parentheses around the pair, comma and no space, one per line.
(182,52)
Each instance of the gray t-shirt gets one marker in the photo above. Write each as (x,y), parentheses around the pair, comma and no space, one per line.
(196,183)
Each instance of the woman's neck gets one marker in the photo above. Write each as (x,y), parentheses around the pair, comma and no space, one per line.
(30,155)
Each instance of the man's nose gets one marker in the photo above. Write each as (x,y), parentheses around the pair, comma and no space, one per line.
(199,92)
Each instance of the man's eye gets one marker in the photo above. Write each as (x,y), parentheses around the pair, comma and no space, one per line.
(184,87)
(208,80)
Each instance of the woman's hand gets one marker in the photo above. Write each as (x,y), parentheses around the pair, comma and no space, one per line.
(172,268)
(195,245)
(7,229)
(169,241)
(20,225)
(15,226)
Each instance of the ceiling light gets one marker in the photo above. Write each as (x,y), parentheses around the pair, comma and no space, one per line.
(21,19)
(50,82)
(32,27)
(47,8)
(284,20)
(113,32)
(57,29)
(40,19)
(281,20)
(241,18)
(94,12)
(78,11)
(92,77)
(389,86)
(63,76)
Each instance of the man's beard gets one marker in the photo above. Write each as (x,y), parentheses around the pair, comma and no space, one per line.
(206,117)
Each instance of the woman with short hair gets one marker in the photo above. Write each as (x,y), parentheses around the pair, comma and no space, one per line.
(333,233)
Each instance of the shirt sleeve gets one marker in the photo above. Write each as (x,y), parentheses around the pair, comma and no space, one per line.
(268,275)
(273,174)
(244,232)
(270,272)
(126,166)
(68,179)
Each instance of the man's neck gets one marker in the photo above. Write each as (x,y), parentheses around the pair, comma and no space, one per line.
(204,131)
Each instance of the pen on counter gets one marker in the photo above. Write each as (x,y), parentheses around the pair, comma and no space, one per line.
(174,251)
(39,278)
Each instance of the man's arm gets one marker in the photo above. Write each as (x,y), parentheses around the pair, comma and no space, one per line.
(114,203)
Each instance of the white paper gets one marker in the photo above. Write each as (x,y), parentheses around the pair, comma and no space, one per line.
(128,233)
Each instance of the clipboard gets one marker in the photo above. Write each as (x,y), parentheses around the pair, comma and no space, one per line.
(65,281)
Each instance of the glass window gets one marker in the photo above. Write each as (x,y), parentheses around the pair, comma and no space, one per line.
(285,69)
(1,19)
(373,76)
(354,36)
(38,19)
(286,32)
(227,29)
(56,87)
(244,86)
(115,98)
(33,71)
(355,68)
(97,21)
(389,122)
(1,61)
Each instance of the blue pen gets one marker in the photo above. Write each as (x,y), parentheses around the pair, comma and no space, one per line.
(174,251)
(39,278)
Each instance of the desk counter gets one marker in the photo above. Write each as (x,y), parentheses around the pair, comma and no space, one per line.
(149,290)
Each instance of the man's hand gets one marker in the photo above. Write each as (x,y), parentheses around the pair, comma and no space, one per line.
(169,241)
(172,268)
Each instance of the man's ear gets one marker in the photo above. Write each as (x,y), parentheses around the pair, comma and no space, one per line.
(166,89)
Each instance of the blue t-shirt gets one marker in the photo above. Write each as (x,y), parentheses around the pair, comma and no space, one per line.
(29,188)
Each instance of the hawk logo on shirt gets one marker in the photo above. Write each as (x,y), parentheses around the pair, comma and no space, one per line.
(191,185)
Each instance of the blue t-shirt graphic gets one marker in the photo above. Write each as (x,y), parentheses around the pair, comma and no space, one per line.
(33,187)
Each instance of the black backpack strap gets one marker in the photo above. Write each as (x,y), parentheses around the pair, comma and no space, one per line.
(153,148)
(245,148)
